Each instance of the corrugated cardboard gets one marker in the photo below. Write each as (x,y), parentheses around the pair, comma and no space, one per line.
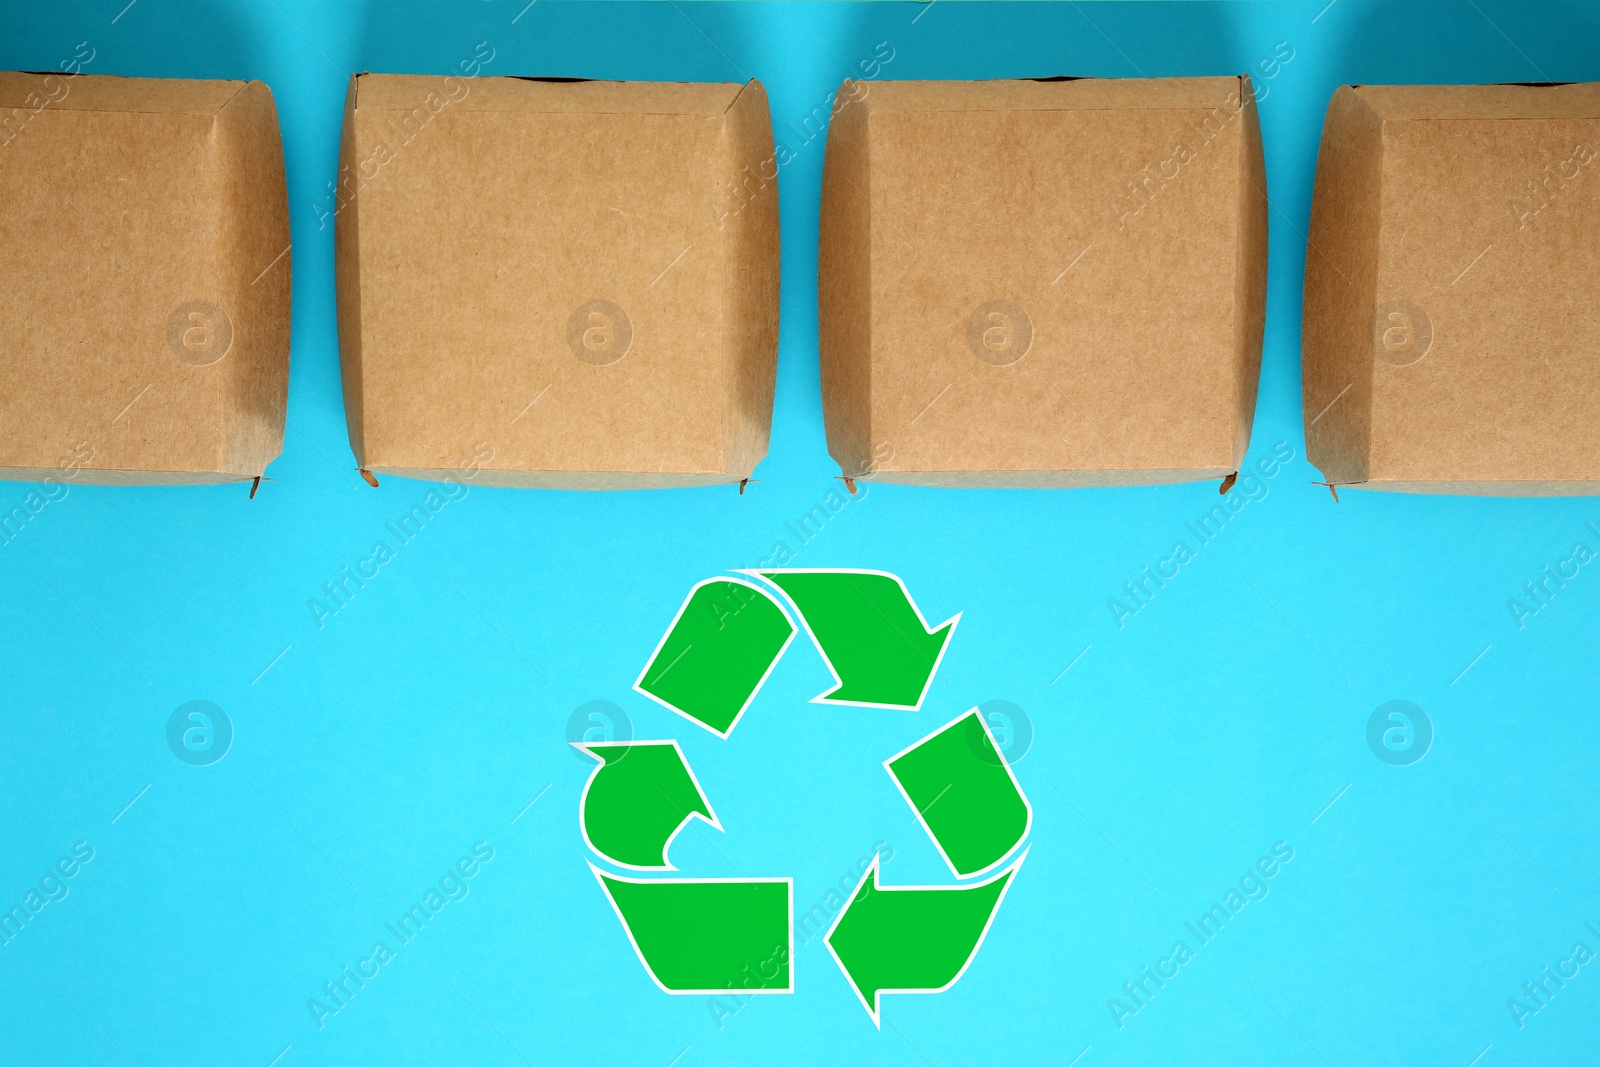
(558,283)
(1451,336)
(144,239)
(1042,283)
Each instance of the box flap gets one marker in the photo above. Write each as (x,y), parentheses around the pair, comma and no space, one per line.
(254,244)
(404,92)
(1436,103)
(1029,94)
(103,92)
(1340,286)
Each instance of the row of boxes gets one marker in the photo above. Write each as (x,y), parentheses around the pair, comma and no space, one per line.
(1050,282)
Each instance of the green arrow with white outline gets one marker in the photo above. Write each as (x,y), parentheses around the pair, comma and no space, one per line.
(713,659)
(708,935)
(913,939)
(964,793)
(866,626)
(637,800)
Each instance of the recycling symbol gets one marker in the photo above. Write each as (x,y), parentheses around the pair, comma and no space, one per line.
(715,935)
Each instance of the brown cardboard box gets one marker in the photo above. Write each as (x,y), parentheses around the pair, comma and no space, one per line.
(570,284)
(144,239)
(1042,283)
(1451,335)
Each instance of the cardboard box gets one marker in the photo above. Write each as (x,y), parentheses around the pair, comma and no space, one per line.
(568,284)
(1053,282)
(144,239)
(1451,336)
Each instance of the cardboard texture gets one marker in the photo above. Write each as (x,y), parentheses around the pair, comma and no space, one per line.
(1054,282)
(1451,333)
(144,236)
(568,284)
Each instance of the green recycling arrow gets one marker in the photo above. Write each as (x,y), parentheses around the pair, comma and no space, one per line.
(964,793)
(637,800)
(713,936)
(868,629)
(708,935)
(713,659)
(913,939)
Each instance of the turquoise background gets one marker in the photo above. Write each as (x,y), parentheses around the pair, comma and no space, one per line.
(371,753)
